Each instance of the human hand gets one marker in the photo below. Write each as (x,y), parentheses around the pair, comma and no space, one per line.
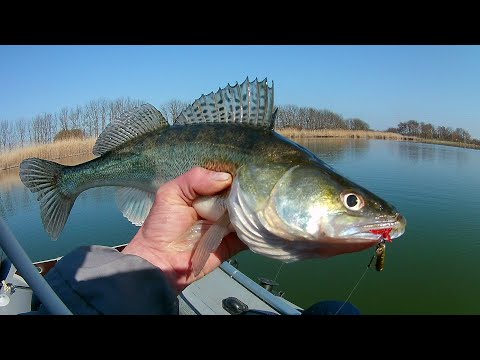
(171,216)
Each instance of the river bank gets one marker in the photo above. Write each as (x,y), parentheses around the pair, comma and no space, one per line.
(363,134)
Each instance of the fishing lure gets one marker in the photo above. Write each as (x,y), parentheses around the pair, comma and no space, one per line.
(380,255)
(380,252)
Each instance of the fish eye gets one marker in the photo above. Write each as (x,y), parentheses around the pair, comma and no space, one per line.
(352,201)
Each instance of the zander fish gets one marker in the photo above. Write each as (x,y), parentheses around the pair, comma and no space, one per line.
(284,202)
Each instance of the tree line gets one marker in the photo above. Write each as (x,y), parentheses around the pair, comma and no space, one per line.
(428,131)
(309,118)
(90,119)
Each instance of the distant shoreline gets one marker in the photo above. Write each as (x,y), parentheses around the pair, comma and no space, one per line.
(69,148)
(368,134)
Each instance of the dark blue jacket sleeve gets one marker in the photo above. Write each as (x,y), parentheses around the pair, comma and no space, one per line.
(100,280)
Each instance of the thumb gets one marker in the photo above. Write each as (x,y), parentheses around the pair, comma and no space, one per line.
(199,181)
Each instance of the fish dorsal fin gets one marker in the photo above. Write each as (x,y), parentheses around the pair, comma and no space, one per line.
(129,125)
(249,103)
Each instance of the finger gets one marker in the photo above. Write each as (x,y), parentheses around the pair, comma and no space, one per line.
(199,181)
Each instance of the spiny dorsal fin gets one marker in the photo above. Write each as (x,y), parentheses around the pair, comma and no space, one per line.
(131,124)
(249,103)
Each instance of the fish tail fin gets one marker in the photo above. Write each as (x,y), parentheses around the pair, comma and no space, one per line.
(43,177)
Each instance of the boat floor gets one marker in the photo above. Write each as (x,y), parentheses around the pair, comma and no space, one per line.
(203,297)
(19,300)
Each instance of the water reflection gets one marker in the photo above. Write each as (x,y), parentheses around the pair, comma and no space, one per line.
(6,204)
(330,149)
(416,152)
(9,179)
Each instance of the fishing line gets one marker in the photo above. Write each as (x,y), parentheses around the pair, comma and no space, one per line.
(358,282)
(278,272)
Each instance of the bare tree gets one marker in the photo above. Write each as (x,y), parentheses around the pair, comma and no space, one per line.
(413,128)
(427,130)
(442,132)
(4,133)
(92,118)
(286,116)
(117,108)
(464,135)
(331,120)
(132,103)
(301,119)
(121,106)
(21,126)
(103,113)
(357,124)
(461,135)
(449,133)
(402,128)
(114,109)
(171,109)
(309,118)
(392,129)
(63,118)
(74,117)
(11,136)
(43,128)
(36,129)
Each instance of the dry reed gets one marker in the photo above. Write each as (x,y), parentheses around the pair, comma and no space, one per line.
(56,150)
(340,133)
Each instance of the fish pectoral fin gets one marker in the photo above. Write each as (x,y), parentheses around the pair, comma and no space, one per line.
(190,238)
(135,204)
(210,242)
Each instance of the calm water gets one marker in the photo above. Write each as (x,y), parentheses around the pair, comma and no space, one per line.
(432,269)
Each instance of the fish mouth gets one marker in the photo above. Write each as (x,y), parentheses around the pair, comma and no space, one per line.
(379,230)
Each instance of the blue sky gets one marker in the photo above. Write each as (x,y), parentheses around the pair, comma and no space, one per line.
(382,85)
